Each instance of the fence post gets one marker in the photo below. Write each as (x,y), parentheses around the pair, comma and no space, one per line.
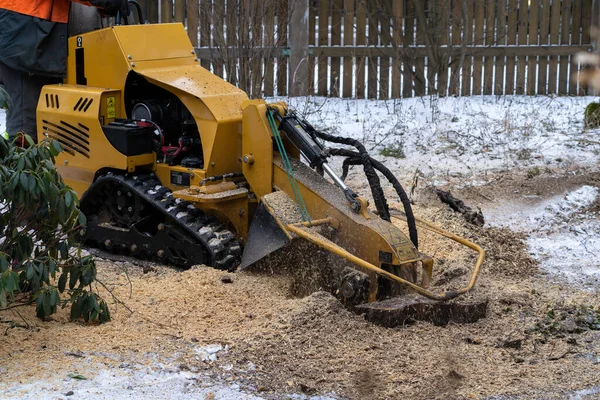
(298,43)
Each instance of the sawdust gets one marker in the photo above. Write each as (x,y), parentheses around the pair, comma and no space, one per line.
(280,343)
(282,336)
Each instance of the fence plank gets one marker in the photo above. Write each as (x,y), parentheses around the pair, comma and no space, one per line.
(282,33)
(554,39)
(243,43)
(269,79)
(217,21)
(298,45)
(563,73)
(324,8)
(152,13)
(192,21)
(312,33)
(544,39)
(179,10)
(232,40)
(444,40)
(532,63)
(575,39)
(205,11)
(511,40)
(456,41)
(407,62)
(348,41)
(478,40)
(500,40)
(361,22)
(384,61)
(432,33)
(166,11)
(586,24)
(490,26)
(398,12)
(419,80)
(522,31)
(467,41)
(336,40)
(373,35)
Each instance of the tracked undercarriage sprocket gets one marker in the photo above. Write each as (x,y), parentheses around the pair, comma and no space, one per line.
(136,215)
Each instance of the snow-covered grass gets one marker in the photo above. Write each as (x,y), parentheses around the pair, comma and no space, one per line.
(462,136)
(562,236)
(469,137)
(131,380)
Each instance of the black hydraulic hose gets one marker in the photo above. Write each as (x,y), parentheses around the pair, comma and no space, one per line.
(371,174)
(126,17)
(138,8)
(369,164)
(346,165)
(354,158)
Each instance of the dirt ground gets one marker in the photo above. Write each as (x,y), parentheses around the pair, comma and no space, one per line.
(540,338)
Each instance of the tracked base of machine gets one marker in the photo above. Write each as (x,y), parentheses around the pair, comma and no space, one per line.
(135,215)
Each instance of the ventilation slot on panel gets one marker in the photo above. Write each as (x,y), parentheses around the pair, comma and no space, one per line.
(83,104)
(52,101)
(72,138)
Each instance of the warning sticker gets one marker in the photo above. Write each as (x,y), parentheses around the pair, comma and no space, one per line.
(111,107)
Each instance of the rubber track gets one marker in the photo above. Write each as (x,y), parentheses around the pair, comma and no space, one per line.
(221,244)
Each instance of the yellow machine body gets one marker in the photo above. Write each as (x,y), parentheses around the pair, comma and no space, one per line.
(236,141)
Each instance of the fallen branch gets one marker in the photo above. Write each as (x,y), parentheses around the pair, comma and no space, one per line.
(474,217)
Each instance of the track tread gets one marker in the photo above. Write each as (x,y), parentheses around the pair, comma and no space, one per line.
(224,249)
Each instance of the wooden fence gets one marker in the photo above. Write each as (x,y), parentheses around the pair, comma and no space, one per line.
(387,48)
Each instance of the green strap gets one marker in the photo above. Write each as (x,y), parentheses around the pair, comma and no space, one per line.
(288,169)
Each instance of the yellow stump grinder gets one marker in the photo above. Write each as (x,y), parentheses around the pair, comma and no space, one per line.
(174,164)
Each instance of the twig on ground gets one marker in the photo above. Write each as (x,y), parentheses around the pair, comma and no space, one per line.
(22,318)
(115,298)
(77,355)
(563,355)
(16,305)
(13,324)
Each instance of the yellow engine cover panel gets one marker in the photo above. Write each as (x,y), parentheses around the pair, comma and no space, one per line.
(164,55)
(73,115)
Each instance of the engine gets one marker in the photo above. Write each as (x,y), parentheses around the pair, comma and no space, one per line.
(176,137)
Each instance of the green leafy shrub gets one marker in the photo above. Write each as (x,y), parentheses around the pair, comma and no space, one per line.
(395,150)
(39,224)
(592,115)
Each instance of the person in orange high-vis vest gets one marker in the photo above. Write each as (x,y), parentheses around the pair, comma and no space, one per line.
(33,52)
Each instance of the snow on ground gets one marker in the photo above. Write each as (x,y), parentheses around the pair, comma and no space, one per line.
(458,135)
(562,236)
(469,137)
(2,121)
(132,381)
(127,383)
(464,136)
